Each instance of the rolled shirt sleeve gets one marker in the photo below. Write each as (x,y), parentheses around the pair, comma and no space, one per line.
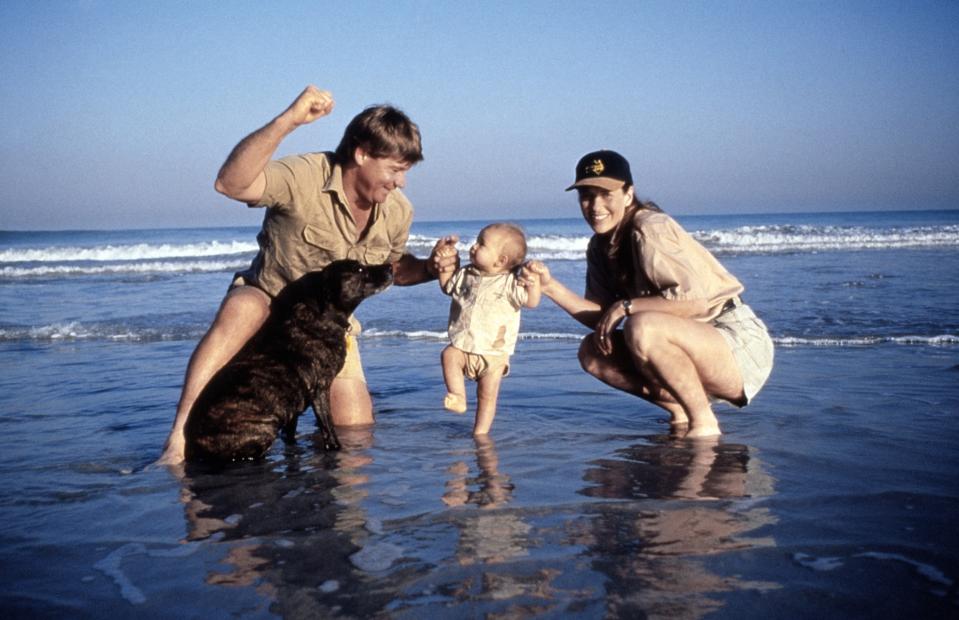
(677,266)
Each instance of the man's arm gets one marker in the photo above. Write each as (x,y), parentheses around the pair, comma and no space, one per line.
(241,177)
(411,270)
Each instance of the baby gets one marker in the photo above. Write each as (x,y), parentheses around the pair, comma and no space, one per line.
(484,319)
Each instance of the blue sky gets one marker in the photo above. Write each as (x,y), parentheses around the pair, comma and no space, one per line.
(118,114)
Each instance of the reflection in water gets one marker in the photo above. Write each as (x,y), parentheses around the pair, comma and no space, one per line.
(290,526)
(299,530)
(652,550)
(488,535)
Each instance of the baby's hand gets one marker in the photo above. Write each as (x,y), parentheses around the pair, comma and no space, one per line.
(536,270)
(446,251)
(444,258)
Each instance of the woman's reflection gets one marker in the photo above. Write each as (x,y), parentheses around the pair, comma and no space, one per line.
(651,546)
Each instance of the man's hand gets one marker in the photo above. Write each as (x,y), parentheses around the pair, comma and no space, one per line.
(444,258)
(312,104)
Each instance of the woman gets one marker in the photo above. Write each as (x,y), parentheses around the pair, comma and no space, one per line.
(687,336)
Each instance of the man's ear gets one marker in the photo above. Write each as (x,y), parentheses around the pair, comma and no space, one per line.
(359,155)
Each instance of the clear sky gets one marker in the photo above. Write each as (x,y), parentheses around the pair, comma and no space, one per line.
(117,114)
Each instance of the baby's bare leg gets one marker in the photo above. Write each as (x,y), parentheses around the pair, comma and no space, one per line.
(487,392)
(454,361)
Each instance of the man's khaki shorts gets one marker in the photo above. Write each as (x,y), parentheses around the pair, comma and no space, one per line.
(353,366)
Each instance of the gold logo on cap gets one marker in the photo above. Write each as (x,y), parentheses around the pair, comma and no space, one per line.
(596,168)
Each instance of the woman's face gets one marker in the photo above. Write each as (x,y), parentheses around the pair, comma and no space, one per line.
(603,209)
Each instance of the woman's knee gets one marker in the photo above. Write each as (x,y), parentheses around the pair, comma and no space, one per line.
(588,356)
(644,333)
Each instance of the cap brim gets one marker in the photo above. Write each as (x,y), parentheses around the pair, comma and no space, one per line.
(601,182)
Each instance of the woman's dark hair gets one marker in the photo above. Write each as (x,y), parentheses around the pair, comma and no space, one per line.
(620,250)
(382,131)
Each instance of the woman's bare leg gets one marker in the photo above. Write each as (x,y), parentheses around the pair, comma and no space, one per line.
(691,360)
(620,371)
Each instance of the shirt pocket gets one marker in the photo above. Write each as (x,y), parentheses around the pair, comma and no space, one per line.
(323,246)
(376,250)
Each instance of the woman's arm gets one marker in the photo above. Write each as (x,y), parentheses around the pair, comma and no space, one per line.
(685,308)
(583,310)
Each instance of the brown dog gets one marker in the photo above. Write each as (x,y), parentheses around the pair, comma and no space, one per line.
(285,367)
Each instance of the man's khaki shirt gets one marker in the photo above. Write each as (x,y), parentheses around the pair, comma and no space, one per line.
(308,223)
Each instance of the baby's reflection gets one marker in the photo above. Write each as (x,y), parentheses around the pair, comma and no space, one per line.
(490,536)
(489,489)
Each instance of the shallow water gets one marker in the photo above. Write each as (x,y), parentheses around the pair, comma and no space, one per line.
(833,494)
(837,500)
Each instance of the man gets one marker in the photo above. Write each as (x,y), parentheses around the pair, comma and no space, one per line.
(320,207)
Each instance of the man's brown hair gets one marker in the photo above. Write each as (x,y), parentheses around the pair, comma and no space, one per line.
(381,131)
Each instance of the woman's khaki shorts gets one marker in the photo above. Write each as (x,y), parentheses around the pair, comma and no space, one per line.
(751,346)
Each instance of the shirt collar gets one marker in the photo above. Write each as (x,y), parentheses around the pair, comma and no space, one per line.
(334,185)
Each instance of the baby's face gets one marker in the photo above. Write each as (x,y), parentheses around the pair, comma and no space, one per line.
(486,252)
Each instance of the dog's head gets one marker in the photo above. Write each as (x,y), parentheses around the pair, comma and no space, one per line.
(347,282)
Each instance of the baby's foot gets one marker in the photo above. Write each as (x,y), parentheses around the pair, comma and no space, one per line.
(455,402)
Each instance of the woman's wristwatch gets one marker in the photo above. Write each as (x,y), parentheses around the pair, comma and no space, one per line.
(627,305)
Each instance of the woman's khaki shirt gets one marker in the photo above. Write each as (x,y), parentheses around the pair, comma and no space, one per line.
(670,264)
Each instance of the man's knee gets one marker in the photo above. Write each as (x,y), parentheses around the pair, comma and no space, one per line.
(244,305)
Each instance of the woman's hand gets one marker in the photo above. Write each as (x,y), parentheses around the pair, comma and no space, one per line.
(603,334)
(538,270)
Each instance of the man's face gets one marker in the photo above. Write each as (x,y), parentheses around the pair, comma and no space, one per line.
(378,176)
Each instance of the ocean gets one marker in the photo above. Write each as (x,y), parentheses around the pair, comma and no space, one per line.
(833,494)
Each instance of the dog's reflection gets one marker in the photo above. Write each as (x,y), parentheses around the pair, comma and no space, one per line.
(289,524)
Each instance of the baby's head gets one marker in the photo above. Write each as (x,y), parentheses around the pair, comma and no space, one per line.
(499,248)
